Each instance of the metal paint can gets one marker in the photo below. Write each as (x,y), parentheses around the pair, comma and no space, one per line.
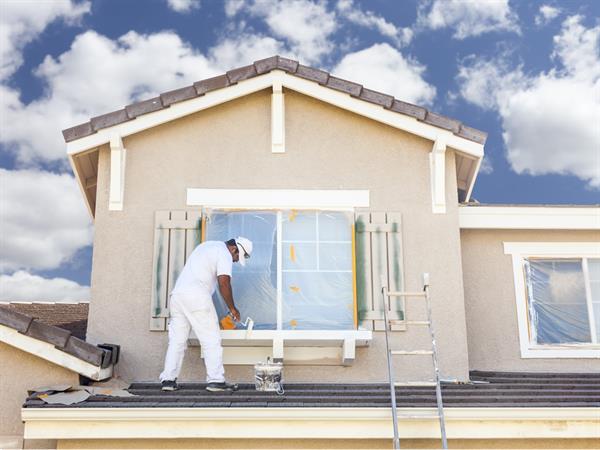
(268,377)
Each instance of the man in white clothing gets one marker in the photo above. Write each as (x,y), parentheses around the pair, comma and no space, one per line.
(191,306)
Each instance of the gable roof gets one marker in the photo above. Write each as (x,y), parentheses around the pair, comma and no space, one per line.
(85,140)
(199,88)
(54,344)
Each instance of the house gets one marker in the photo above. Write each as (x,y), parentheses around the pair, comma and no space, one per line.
(343,190)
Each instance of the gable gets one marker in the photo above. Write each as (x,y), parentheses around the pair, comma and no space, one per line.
(278,74)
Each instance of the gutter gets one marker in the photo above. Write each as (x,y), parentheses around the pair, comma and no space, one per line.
(297,423)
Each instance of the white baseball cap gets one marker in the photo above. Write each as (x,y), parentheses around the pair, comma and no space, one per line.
(245,247)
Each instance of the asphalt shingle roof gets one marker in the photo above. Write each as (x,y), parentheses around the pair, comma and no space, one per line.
(488,389)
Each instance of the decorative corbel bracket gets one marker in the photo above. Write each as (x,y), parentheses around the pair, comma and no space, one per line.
(437,164)
(117,173)
(277,118)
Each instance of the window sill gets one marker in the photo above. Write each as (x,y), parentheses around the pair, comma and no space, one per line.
(562,351)
(295,347)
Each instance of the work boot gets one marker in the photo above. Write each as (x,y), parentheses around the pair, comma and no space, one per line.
(169,385)
(221,387)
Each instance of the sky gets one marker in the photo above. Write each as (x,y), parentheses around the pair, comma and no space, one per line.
(526,72)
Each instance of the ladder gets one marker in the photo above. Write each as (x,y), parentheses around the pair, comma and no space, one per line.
(387,295)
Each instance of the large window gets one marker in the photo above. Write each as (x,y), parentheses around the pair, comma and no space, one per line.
(557,288)
(300,276)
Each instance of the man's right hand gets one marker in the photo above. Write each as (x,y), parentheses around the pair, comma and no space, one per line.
(235,313)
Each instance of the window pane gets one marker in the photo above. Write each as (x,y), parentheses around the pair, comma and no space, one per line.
(254,286)
(317,291)
(594,271)
(557,301)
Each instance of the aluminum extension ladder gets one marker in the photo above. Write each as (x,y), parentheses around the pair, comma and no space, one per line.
(387,295)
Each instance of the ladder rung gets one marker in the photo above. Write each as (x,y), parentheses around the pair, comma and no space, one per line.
(411,352)
(415,383)
(406,294)
(417,322)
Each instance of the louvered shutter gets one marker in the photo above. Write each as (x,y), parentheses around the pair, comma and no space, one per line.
(176,234)
(378,254)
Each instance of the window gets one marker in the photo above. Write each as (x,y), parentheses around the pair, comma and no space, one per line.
(557,288)
(300,275)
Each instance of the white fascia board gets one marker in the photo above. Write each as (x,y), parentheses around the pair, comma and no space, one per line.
(173,112)
(295,83)
(50,353)
(278,198)
(529,218)
(296,423)
(81,184)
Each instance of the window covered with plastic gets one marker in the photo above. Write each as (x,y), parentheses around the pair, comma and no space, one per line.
(300,275)
(563,300)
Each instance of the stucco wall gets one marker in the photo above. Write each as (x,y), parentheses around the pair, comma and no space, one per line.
(490,301)
(229,147)
(20,371)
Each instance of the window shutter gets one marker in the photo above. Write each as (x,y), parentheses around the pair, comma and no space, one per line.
(378,254)
(176,234)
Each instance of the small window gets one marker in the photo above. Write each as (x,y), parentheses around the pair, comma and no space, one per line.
(300,275)
(557,290)
(560,310)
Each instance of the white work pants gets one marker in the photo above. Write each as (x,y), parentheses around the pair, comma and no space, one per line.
(186,313)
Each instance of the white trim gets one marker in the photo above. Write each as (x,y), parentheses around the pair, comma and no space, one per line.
(318,423)
(277,198)
(529,218)
(588,294)
(437,175)
(279,298)
(50,353)
(319,347)
(521,250)
(117,173)
(277,119)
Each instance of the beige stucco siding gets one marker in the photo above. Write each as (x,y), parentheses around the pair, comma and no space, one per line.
(229,147)
(490,301)
(20,371)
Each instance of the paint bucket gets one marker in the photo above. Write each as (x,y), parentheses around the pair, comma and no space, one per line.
(267,377)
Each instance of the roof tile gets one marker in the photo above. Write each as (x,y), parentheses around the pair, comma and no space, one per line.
(320,76)
(241,73)
(78,131)
(376,97)
(84,351)
(144,107)
(472,134)
(442,121)
(266,65)
(178,95)
(418,112)
(340,84)
(68,316)
(48,333)
(289,65)
(110,119)
(14,319)
(211,84)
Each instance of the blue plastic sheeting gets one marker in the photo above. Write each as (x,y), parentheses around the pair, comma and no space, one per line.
(317,279)
(558,308)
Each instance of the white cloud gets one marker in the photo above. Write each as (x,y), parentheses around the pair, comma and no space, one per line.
(96,75)
(353,13)
(469,18)
(305,25)
(43,220)
(550,120)
(546,14)
(244,49)
(383,68)
(21,21)
(23,286)
(183,6)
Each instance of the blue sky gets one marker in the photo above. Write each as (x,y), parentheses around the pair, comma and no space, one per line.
(527,72)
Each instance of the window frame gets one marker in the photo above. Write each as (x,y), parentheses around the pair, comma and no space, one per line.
(279,262)
(550,250)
